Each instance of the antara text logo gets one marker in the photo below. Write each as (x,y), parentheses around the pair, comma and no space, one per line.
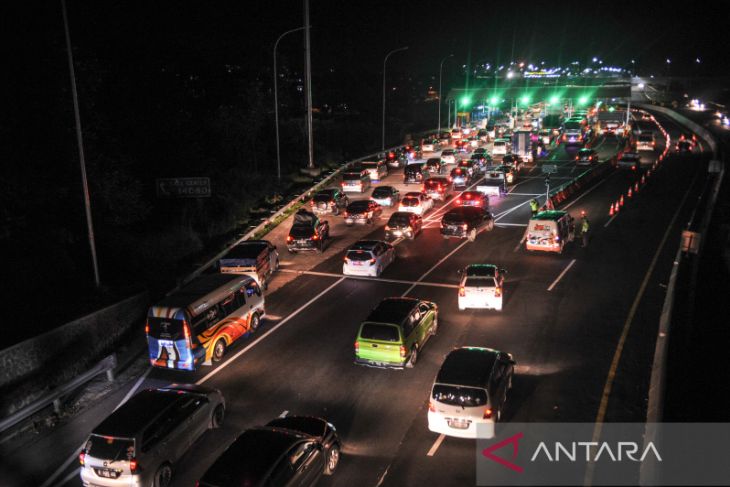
(573,452)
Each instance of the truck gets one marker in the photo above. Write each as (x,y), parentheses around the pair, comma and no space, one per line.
(522,144)
(611,122)
(256,258)
(307,233)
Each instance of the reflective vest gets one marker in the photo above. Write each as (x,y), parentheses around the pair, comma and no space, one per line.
(533,205)
(584,227)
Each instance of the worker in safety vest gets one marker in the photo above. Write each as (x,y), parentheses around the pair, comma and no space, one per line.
(584,229)
(534,205)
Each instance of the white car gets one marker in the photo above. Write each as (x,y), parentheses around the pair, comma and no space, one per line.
(418,203)
(481,286)
(368,258)
(376,169)
(430,145)
(499,147)
(448,156)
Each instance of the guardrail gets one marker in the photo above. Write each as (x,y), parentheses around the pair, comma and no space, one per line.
(54,397)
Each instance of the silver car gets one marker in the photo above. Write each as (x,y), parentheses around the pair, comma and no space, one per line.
(139,443)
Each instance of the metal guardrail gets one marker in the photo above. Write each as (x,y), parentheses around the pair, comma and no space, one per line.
(54,397)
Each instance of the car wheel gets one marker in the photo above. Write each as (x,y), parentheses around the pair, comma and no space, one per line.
(219,350)
(163,476)
(472,235)
(255,322)
(413,359)
(216,421)
(333,459)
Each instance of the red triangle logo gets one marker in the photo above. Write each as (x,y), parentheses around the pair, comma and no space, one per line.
(514,440)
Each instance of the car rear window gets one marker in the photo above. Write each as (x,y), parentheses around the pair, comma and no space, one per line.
(351,176)
(361,205)
(359,255)
(322,197)
(301,231)
(459,396)
(399,220)
(374,331)
(646,137)
(409,201)
(165,328)
(110,448)
(381,192)
(480,282)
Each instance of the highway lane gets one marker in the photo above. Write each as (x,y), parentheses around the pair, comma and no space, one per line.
(260,387)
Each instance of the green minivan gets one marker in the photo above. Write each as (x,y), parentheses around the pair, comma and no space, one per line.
(395,332)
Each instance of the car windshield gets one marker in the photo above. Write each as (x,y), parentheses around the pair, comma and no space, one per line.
(646,137)
(323,196)
(434,184)
(475,281)
(409,201)
(459,396)
(359,255)
(358,206)
(382,192)
(375,331)
(351,176)
(110,448)
(397,220)
(414,168)
(455,217)
(369,164)
(447,152)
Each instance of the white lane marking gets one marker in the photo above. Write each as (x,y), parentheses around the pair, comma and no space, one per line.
(557,280)
(272,317)
(63,467)
(588,191)
(134,387)
(458,247)
(283,414)
(67,478)
(377,279)
(272,330)
(382,477)
(510,224)
(436,445)
(526,194)
(507,212)
(610,220)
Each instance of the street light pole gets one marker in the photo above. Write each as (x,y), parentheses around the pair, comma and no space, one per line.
(440,102)
(308,86)
(276,103)
(80,141)
(382,145)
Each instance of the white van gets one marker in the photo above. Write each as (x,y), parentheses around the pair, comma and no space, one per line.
(646,141)
(500,147)
(549,231)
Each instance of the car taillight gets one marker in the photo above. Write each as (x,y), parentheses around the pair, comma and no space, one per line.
(487,413)
(462,291)
(357,346)
(633,168)
(464,226)
(372,261)
(344,213)
(186,330)
(423,188)
(315,237)
(133,465)
(147,328)
(458,202)
(289,238)
(402,351)
(82,458)
(431,407)
(342,184)
(386,228)
(311,203)
(497,292)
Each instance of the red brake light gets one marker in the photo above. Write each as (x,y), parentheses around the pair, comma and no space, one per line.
(372,261)
(487,413)
(458,202)
(133,465)
(497,292)
(357,346)
(402,351)
(82,457)
(431,407)
(464,226)
(462,291)
(146,330)
(289,238)
(315,237)
(311,203)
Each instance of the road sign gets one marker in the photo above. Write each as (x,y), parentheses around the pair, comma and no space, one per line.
(549,168)
(183,187)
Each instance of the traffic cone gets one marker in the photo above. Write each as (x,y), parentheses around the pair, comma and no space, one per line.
(643,179)
(610,210)
(617,207)
(636,187)
(630,194)
(621,200)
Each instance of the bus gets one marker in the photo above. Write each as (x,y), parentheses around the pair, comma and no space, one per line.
(197,323)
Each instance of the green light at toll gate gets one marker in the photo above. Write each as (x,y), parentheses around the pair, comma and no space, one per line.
(583,100)
(494,100)
(465,100)
(554,100)
(525,99)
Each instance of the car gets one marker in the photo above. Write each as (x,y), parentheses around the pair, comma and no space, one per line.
(430,145)
(256,258)
(468,165)
(415,202)
(481,286)
(356,179)
(509,173)
(141,441)
(368,258)
(469,393)
(444,139)
(415,173)
(395,332)
(545,136)
(481,161)
(308,232)
(395,159)
(474,141)
(513,161)
(462,145)
(448,156)
(385,196)
(412,152)
(586,157)
(403,224)
(500,146)
(460,177)
(288,451)
(483,135)
(465,222)
(473,198)
(631,160)
(437,188)
(646,141)
(377,170)
(329,201)
(362,211)
(479,150)
(435,165)
(456,134)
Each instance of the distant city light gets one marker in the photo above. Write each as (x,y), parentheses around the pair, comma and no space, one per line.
(595,59)
(510,74)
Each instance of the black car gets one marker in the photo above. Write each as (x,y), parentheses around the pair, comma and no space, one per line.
(307,233)
(329,201)
(362,211)
(465,222)
(403,224)
(395,159)
(435,165)
(294,450)
(415,173)
(684,146)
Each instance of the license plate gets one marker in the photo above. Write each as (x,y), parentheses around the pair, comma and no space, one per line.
(302,242)
(356,263)
(460,424)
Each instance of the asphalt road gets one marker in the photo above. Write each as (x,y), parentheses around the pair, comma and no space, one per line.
(564,339)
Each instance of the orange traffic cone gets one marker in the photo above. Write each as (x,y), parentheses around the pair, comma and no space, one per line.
(621,200)
(630,194)
(643,179)
(610,210)
(636,187)
(617,207)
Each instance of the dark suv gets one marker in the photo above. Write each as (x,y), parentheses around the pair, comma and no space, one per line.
(415,173)
(403,224)
(465,222)
(139,443)
(329,201)
(307,233)
(294,450)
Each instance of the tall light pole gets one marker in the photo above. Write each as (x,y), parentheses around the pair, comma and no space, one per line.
(308,86)
(382,145)
(440,72)
(80,141)
(276,102)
